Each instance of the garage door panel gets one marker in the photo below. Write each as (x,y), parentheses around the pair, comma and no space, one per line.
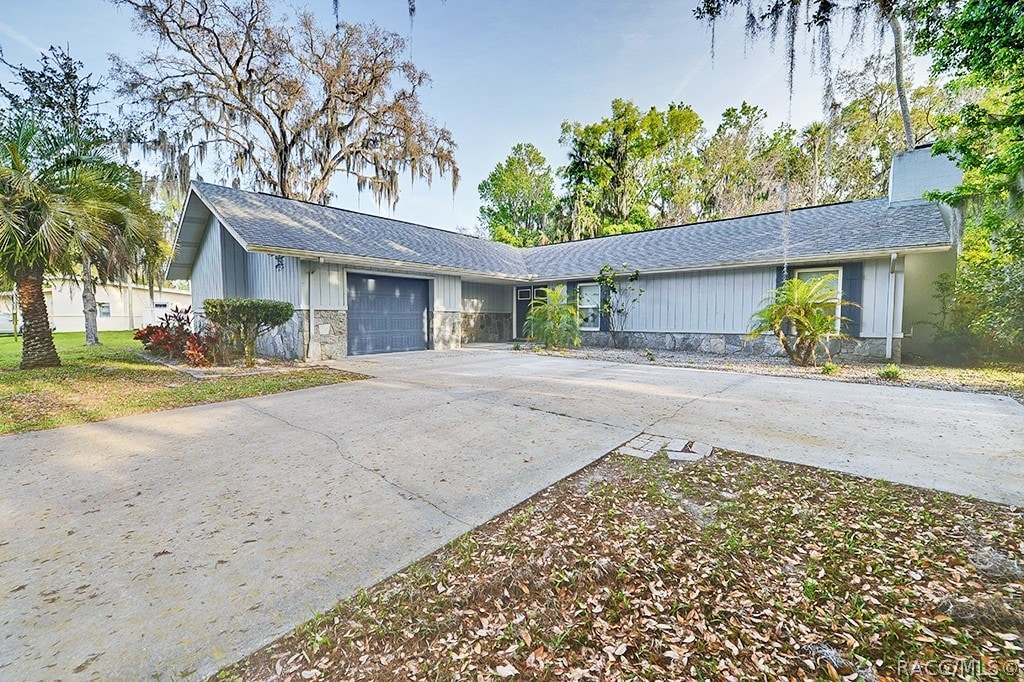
(386,314)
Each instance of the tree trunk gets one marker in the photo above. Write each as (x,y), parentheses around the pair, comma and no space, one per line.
(901,86)
(37,348)
(784,342)
(92,334)
(14,313)
(816,188)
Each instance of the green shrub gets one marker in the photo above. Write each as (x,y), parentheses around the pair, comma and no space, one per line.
(245,319)
(830,369)
(517,346)
(958,347)
(553,320)
(890,372)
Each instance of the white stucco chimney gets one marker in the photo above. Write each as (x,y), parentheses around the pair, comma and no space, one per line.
(916,172)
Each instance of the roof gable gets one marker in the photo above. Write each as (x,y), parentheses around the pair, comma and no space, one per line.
(267,223)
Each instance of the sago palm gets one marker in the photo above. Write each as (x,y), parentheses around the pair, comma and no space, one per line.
(801,315)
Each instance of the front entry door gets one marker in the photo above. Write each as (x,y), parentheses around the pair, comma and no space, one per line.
(525,296)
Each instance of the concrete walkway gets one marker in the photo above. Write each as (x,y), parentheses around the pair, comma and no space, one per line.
(174,543)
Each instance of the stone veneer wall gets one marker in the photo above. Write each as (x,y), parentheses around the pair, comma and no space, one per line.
(486,327)
(330,335)
(446,330)
(729,344)
(287,341)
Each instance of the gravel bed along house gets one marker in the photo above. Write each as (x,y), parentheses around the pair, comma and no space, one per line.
(1006,380)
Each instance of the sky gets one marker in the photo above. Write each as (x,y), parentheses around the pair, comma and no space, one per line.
(504,71)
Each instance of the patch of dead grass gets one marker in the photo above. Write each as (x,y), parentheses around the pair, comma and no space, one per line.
(619,573)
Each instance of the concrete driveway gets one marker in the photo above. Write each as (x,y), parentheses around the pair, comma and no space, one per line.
(174,543)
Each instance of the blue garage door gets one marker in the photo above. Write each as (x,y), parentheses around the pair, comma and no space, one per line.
(386,314)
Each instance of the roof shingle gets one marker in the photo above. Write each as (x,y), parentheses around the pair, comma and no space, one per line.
(825,232)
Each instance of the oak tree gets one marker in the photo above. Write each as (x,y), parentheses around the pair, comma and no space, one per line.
(283,103)
(518,197)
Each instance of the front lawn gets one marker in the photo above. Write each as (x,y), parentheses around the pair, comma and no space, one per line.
(731,568)
(102,382)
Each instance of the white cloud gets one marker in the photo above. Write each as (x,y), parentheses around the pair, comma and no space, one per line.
(20,37)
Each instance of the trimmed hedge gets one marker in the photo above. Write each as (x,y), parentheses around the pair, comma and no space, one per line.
(245,319)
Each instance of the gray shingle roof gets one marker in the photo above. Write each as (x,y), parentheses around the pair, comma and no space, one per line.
(817,232)
(271,222)
(820,232)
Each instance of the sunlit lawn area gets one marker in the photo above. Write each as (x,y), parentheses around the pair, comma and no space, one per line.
(102,382)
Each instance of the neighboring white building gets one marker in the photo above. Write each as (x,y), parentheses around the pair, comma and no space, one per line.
(120,306)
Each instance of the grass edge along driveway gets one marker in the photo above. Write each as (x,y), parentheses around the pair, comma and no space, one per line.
(95,383)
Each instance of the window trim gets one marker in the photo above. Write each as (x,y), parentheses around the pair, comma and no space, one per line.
(829,269)
(100,307)
(596,307)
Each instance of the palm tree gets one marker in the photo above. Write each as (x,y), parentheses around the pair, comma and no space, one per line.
(55,202)
(123,239)
(815,138)
(801,314)
(553,320)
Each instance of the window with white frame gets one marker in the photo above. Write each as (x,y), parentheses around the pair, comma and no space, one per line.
(102,309)
(589,297)
(836,285)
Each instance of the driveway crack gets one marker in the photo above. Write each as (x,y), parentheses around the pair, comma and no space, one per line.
(683,406)
(569,416)
(362,466)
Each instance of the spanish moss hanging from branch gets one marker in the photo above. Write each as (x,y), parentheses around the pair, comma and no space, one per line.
(282,103)
(820,16)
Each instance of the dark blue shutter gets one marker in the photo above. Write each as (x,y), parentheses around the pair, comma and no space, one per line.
(570,292)
(780,279)
(853,291)
(606,294)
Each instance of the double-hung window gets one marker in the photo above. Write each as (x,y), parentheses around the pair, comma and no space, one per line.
(835,285)
(589,297)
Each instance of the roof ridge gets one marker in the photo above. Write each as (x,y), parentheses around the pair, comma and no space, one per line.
(706,222)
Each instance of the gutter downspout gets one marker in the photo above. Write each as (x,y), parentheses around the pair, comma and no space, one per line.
(313,267)
(890,306)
